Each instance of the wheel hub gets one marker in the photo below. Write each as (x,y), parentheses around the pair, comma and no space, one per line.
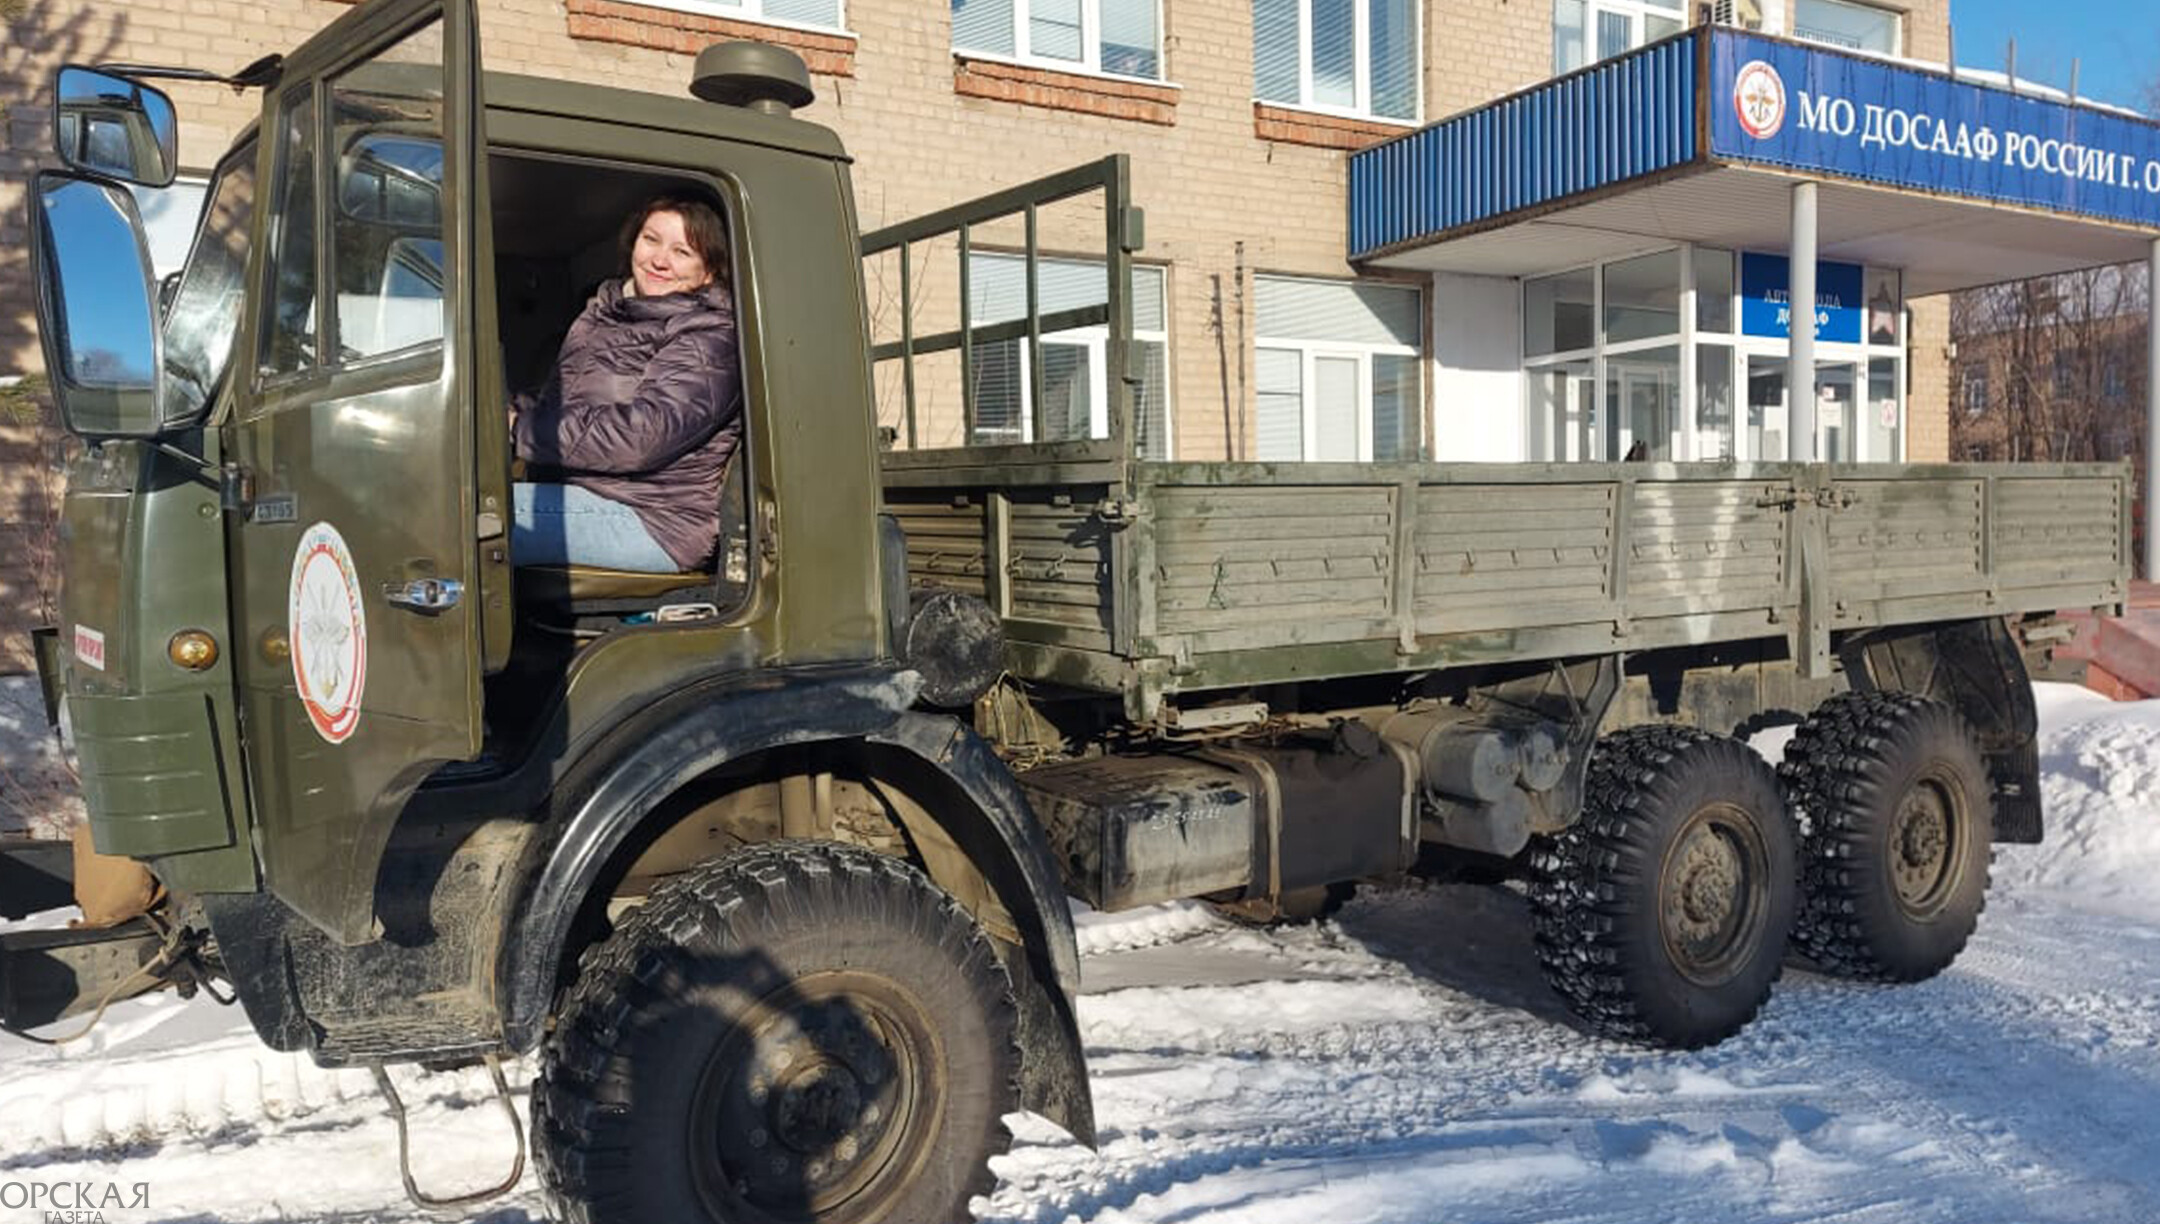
(1709,877)
(810,1105)
(1708,881)
(1922,857)
(814,1108)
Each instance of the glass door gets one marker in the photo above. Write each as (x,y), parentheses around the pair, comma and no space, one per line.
(1561,398)
(1763,441)
(1837,411)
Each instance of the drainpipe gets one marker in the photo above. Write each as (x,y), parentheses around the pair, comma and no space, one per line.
(1800,437)
(2152,419)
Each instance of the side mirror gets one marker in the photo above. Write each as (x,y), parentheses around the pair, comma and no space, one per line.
(115,128)
(96,309)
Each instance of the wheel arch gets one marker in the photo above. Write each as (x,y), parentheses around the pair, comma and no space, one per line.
(1975,668)
(958,804)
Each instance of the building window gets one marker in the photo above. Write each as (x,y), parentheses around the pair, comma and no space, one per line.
(1619,367)
(817,14)
(1586,31)
(1119,37)
(2065,373)
(1843,23)
(1337,370)
(1976,391)
(1351,57)
(1075,380)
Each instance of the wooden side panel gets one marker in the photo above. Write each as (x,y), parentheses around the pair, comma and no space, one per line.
(2050,531)
(1915,536)
(947,539)
(1704,546)
(1511,556)
(1057,571)
(1271,563)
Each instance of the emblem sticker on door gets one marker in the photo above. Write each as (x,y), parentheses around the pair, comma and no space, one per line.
(89,647)
(328,629)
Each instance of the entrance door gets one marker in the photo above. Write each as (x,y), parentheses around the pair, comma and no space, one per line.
(1767,418)
(355,562)
(1646,409)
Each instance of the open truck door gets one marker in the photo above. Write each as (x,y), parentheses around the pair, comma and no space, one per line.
(358,549)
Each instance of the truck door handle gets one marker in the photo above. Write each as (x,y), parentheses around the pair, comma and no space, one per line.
(426,594)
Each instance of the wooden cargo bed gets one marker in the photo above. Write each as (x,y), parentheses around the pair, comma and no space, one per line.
(1153,579)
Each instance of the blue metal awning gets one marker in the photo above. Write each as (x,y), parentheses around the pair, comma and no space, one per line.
(1715,99)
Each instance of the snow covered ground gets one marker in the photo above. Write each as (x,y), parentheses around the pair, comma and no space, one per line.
(1402,1064)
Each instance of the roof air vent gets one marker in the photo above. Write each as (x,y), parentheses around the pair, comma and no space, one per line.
(770,80)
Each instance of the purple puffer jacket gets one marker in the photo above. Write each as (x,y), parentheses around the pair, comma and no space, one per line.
(645,408)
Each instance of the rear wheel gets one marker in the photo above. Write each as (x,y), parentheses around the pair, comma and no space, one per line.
(1662,914)
(1899,819)
(803,1033)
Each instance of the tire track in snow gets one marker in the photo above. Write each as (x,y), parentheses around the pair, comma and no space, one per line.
(1834,1080)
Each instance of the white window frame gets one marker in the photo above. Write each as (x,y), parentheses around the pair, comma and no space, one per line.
(1637,13)
(751,11)
(1688,444)
(1090,63)
(1312,352)
(1096,340)
(1897,27)
(1361,37)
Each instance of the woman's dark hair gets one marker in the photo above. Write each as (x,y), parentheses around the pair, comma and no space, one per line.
(701,225)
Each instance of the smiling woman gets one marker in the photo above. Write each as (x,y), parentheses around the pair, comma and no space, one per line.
(643,412)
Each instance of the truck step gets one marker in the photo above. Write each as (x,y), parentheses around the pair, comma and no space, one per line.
(451,1030)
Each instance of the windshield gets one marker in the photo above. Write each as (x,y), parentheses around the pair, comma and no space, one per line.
(205,311)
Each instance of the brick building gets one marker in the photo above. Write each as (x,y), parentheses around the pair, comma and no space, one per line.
(1240,118)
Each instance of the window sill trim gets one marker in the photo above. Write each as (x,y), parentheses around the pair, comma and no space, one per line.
(999,79)
(1301,125)
(1322,112)
(1061,68)
(776,23)
(825,50)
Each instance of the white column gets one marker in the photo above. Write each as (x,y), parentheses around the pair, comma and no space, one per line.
(2152,423)
(1802,444)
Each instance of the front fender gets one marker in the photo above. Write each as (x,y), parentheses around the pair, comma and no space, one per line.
(634,770)
(998,830)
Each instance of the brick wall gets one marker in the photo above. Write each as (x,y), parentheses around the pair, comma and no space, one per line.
(1232,189)
(1927,412)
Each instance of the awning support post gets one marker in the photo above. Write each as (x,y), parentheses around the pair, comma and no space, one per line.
(1801,444)
(2152,418)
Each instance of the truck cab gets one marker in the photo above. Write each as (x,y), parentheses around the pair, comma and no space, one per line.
(402,783)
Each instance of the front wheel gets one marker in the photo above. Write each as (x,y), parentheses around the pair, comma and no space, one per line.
(1899,812)
(802,1033)
(1662,914)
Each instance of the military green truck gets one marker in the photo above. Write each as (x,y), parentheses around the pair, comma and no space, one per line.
(770,864)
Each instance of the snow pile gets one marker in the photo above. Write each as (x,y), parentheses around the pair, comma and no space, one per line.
(2100,771)
(1400,1063)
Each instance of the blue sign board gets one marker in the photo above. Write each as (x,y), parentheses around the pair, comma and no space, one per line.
(1766,298)
(1807,109)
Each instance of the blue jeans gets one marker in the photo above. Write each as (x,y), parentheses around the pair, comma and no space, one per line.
(560,524)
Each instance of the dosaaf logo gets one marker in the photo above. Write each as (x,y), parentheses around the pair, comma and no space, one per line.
(1759,99)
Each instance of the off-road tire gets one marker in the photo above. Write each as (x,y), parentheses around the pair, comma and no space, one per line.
(1661,915)
(1897,817)
(800,1032)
